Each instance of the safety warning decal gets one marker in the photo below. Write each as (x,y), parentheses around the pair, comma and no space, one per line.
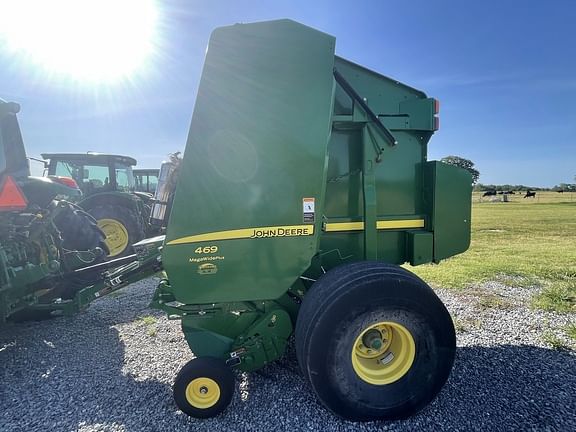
(308,210)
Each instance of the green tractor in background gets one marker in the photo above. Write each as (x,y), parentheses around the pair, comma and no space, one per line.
(146,179)
(42,236)
(53,256)
(109,195)
(127,204)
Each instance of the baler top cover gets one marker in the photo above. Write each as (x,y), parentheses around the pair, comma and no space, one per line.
(257,147)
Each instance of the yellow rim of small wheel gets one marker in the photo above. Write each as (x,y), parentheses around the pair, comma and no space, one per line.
(116,235)
(383,353)
(202,393)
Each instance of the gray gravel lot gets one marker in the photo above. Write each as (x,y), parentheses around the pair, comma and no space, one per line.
(111,367)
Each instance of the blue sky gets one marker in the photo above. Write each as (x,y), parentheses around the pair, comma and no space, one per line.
(504,72)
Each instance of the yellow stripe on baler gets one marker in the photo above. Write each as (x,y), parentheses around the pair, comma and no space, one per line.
(248,233)
(381,225)
(294,230)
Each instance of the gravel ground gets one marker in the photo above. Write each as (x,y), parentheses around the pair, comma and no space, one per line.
(110,368)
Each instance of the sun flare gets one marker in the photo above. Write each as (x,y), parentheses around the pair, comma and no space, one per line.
(87,40)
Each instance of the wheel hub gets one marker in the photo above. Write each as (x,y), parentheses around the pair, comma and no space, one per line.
(383,353)
(117,238)
(373,339)
(203,393)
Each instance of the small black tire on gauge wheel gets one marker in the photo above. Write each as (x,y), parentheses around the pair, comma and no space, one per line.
(374,341)
(204,387)
(122,226)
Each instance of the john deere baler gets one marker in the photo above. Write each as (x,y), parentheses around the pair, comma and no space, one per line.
(305,183)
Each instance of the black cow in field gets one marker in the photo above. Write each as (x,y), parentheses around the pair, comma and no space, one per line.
(530,194)
(489,193)
(560,191)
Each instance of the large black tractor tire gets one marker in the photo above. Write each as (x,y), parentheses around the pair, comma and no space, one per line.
(374,341)
(123,227)
(79,232)
(204,387)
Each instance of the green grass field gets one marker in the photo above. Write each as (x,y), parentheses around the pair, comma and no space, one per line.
(524,242)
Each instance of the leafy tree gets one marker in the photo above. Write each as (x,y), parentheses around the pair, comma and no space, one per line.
(566,187)
(468,165)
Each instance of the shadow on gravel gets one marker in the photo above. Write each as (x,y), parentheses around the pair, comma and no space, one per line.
(76,381)
(501,388)
(507,387)
(67,374)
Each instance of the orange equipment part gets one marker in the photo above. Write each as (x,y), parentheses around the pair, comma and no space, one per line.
(11,197)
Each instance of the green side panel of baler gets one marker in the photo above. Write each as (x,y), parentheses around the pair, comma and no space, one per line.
(420,247)
(449,197)
(383,94)
(256,149)
(409,115)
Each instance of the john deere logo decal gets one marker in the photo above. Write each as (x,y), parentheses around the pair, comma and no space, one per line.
(207,268)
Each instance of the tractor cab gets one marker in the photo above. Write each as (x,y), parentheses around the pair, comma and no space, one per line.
(93,172)
(107,182)
(146,179)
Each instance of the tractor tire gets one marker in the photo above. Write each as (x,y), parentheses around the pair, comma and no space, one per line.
(374,341)
(123,227)
(79,230)
(204,387)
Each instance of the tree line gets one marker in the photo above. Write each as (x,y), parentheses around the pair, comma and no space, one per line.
(468,165)
(566,187)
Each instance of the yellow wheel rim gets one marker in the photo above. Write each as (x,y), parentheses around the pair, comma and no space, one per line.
(383,353)
(202,393)
(116,235)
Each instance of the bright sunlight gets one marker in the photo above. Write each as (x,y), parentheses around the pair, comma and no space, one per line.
(86,40)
